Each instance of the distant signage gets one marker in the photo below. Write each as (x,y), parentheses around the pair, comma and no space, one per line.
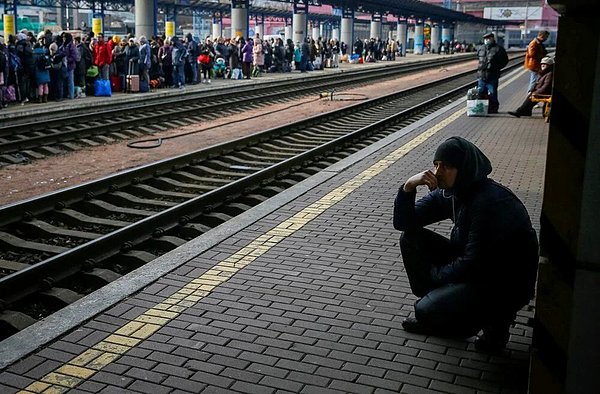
(513,13)
(336,12)
(9,26)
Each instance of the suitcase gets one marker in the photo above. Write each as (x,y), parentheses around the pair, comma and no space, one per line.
(115,83)
(133,81)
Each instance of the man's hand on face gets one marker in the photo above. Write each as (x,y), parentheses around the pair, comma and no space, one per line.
(423,178)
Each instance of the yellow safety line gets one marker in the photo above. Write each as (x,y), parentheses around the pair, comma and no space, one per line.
(105,352)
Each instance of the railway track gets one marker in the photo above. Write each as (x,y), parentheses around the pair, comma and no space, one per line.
(56,248)
(27,138)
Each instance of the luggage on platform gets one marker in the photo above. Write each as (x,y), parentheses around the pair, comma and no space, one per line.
(102,88)
(115,83)
(133,80)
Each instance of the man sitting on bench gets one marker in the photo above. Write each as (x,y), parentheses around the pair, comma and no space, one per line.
(542,87)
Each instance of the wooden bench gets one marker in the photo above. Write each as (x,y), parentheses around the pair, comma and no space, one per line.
(547,100)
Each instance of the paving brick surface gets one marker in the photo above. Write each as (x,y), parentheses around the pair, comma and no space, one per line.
(320,311)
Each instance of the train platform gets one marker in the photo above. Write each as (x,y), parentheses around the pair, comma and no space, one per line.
(304,293)
(118,99)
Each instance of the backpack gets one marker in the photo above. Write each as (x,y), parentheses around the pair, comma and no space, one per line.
(178,55)
(14,61)
(44,62)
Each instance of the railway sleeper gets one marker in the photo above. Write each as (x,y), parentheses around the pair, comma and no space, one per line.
(152,192)
(99,277)
(234,209)
(31,154)
(58,297)
(108,209)
(240,162)
(213,219)
(174,184)
(40,228)
(74,218)
(13,266)
(12,322)
(69,146)
(134,258)
(211,171)
(165,242)
(120,197)
(16,243)
(252,199)
(192,230)
(14,159)
(50,151)
(226,165)
(184,175)
(265,159)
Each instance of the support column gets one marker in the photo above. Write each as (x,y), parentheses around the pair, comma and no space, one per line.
(316,31)
(565,356)
(435,37)
(322,30)
(419,38)
(375,25)
(347,27)
(239,18)
(402,35)
(217,25)
(288,30)
(335,33)
(259,25)
(145,18)
(446,34)
(299,20)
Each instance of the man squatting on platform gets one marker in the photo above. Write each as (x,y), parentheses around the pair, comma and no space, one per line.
(486,272)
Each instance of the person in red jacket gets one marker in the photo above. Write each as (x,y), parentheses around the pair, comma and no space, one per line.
(102,56)
(543,86)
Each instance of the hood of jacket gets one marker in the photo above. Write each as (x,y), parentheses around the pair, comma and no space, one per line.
(472,164)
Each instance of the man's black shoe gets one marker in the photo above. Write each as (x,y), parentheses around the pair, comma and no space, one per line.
(410,324)
(514,113)
(492,340)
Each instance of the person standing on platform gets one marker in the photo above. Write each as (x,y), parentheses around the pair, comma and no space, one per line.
(102,56)
(492,58)
(486,272)
(543,86)
(535,53)
(178,54)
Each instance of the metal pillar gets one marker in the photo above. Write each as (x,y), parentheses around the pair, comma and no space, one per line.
(239,18)
(316,31)
(446,34)
(288,30)
(299,20)
(419,38)
(144,18)
(376,25)
(435,38)
(347,27)
(402,35)
(217,25)
(259,25)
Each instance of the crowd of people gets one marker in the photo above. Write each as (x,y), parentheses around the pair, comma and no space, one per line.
(53,67)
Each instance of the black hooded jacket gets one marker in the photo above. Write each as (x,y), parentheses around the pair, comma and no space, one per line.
(493,242)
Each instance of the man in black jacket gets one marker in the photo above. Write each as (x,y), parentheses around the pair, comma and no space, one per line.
(492,58)
(486,271)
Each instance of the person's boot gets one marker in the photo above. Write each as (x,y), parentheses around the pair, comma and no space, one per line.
(38,100)
(412,325)
(494,338)
(45,98)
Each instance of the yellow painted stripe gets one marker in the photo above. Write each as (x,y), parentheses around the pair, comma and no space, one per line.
(105,352)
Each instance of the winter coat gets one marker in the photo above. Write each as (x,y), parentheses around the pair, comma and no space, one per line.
(534,55)
(234,56)
(145,55)
(164,55)
(543,85)
(41,76)
(101,54)
(72,55)
(258,53)
(493,242)
(492,58)
(247,52)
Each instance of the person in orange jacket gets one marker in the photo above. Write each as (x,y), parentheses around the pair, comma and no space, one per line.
(535,53)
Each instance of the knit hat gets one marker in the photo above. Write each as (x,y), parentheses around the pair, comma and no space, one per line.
(450,152)
(547,60)
(488,34)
